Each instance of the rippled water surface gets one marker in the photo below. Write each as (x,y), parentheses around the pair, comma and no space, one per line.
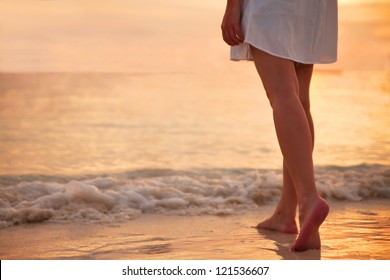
(99,123)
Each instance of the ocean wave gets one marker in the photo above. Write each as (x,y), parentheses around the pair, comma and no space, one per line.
(121,197)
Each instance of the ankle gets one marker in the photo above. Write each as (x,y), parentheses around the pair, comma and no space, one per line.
(307,199)
(285,215)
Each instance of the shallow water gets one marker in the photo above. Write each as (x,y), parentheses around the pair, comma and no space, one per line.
(66,124)
(125,196)
(357,233)
(353,231)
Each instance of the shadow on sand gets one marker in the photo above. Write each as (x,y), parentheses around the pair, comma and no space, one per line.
(283,243)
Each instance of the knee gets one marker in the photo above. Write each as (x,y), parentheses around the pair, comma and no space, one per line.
(305,103)
(282,94)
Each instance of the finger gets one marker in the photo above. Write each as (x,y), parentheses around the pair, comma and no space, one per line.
(233,37)
(227,38)
(239,33)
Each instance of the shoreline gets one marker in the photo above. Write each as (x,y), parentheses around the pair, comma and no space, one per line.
(160,236)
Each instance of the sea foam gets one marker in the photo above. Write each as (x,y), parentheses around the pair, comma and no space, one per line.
(122,197)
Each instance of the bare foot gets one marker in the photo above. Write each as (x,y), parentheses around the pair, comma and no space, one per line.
(310,221)
(277,223)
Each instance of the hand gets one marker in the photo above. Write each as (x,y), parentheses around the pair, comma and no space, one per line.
(231,23)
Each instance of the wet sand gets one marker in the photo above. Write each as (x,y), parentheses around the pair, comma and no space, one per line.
(358,230)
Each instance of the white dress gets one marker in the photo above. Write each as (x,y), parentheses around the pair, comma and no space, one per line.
(304,31)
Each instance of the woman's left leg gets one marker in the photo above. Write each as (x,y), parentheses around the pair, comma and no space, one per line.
(293,131)
(283,218)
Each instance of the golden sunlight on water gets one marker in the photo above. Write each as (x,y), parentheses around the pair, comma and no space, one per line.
(182,103)
(365,233)
(91,123)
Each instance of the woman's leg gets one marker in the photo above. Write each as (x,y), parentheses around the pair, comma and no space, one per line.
(283,219)
(281,83)
(304,74)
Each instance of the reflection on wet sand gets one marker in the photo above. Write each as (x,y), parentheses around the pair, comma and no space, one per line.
(283,242)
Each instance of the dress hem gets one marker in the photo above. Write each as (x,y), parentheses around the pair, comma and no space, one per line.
(246,55)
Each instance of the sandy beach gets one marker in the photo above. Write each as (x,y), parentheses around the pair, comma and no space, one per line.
(356,230)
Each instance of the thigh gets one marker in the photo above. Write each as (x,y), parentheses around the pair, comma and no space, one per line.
(304,74)
(278,75)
